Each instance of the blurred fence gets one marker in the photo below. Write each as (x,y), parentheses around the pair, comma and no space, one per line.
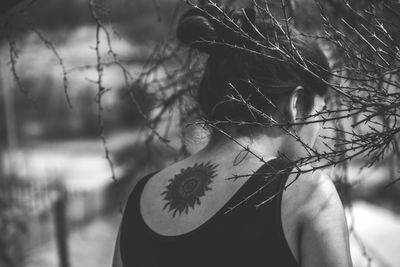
(32,212)
(32,197)
(36,212)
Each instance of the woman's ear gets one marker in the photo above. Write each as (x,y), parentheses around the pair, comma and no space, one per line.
(296,104)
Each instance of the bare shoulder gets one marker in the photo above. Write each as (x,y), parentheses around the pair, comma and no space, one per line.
(321,223)
(313,194)
(313,187)
(322,196)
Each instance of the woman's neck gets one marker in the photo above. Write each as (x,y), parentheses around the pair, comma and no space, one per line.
(260,145)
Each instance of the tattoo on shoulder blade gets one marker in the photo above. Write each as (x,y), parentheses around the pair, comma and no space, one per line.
(187,187)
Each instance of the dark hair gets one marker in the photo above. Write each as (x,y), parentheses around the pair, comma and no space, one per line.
(244,63)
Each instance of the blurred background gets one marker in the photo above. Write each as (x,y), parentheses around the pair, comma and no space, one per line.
(65,174)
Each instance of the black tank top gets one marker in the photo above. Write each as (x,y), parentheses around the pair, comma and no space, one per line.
(245,236)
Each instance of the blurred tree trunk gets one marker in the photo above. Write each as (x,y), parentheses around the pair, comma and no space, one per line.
(61,228)
(11,130)
(1,131)
(9,124)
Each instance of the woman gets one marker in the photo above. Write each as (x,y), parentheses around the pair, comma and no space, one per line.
(193,213)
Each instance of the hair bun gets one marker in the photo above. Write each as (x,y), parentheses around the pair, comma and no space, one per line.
(196,29)
(209,28)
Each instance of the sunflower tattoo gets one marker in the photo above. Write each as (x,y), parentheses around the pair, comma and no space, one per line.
(186,188)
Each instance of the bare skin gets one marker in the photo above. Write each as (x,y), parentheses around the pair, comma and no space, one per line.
(314,222)
(312,214)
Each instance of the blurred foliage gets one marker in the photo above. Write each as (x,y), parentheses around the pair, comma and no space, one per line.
(49,117)
(130,115)
(41,109)
(138,20)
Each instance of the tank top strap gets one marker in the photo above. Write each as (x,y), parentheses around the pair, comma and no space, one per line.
(284,168)
(263,190)
(267,183)
(272,178)
(128,219)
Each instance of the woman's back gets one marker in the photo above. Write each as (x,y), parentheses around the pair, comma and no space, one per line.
(257,106)
(245,235)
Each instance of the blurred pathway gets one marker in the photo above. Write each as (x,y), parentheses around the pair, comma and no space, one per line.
(379,231)
(79,164)
(90,246)
(93,244)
